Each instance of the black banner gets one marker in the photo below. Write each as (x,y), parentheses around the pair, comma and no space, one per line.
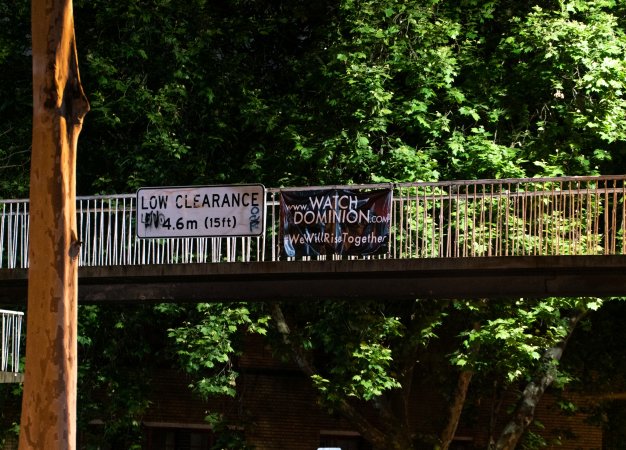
(335,222)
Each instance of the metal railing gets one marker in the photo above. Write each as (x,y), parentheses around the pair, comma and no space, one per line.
(536,216)
(11,340)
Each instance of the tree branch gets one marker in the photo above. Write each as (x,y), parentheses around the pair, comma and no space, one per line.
(456,408)
(351,413)
(525,410)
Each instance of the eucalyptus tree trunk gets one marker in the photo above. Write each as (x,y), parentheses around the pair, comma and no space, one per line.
(59,105)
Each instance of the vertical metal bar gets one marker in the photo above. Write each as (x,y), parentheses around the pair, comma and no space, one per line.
(534,220)
(18,232)
(557,217)
(482,229)
(529,193)
(596,219)
(472,211)
(86,237)
(507,213)
(449,231)
(457,228)
(123,252)
(411,223)
(17,343)
(614,218)
(516,220)
(23,238)
(490,221)
(440,231)
(407,211)
(571,192)
(114,244)
(606,221)
(101,234)
(14,235)
(540,217)
(3,355)
(94,233)
(26,231)
(580,217)
(465,219)
(130,232)
(2,246)
(79,221)
(623,226)
(109,238)
(424,246)
(263,240)
(434,249)
(400,226)
(589,225)
(499,230)
(550,221)
(275,224)
(9,238)
(524,227)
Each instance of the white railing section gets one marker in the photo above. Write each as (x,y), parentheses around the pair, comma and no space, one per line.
(11,339)
(542,216)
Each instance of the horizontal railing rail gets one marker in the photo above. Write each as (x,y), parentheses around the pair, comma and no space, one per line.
(11,340)
(450,219)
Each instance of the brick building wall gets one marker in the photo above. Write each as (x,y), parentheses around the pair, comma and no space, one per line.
(277,408)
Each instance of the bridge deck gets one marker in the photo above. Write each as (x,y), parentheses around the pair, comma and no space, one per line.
(432,278)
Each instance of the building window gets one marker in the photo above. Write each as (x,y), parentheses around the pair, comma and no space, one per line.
(178,439)
(462,443)
(353,441)
(343,441)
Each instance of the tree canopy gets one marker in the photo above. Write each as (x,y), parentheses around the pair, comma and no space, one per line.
(296,93)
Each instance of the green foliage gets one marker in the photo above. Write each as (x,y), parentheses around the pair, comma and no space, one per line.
(15,99)
(361,350)
(10,399)
(227,437)
(511,338)
(114,375)
(360,364)
(207,345)
(595,361)
(295,93)
(574,58)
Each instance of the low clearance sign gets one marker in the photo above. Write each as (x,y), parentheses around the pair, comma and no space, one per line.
(335,222)
(201,211)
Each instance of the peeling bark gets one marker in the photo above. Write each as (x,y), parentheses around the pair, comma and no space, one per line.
(59,106)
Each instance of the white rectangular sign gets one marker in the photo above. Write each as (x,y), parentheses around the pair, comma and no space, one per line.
(200,211)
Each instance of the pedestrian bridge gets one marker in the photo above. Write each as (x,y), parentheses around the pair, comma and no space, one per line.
(481,238)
